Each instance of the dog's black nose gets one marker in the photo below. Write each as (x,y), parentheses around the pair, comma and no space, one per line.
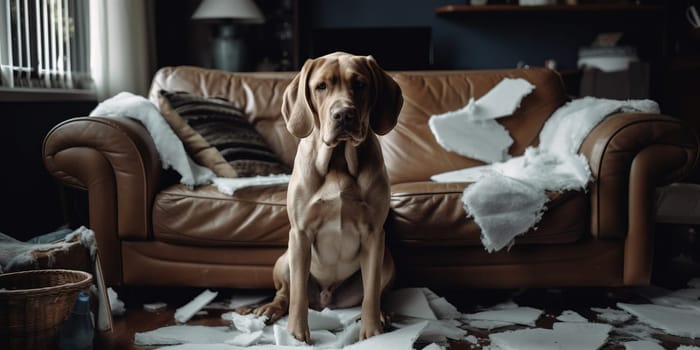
(344,115)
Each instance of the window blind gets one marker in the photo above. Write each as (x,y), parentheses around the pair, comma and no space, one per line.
(45,44)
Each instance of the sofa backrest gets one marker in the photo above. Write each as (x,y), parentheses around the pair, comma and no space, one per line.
(259,95)
(410,150)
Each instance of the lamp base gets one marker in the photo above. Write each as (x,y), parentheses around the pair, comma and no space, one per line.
(228,50)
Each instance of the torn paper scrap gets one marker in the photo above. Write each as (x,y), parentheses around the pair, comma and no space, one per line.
(611,315)
(184,313)
(184,334)
(283,337)
(320,339)
(562,335)
(683,298)
(471,339)
(642,345)
(472,131)
(523,315)
(349,335)
(635,330)
(152,307)
(501,101)
(232,347)
(410,302)
(230,185)
(401,339)
(349,315)
(571,316)
(115,304)
(326,319)
(487,325)
(484,140)
(433,346)
(674,321)
(245,339)
(442,308)
(436,331)
(245,323)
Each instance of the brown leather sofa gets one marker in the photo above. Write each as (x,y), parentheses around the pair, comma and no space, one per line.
(153,231)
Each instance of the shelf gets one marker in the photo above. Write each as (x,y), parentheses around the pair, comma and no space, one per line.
(597,8)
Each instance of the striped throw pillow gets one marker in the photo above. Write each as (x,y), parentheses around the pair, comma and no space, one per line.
(218,135)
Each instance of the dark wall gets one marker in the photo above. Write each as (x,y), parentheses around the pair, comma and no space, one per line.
(30,197)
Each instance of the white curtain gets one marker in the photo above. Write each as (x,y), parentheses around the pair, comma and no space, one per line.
(121,44)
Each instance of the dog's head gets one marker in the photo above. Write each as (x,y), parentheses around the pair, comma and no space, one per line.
(343,96)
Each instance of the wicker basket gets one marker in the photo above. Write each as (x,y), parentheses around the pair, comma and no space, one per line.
(38,300)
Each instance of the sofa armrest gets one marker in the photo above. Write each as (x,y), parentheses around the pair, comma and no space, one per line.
(612,149)
(631,154)
(116,162)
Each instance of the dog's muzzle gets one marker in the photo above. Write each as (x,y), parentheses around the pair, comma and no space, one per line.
(345,125)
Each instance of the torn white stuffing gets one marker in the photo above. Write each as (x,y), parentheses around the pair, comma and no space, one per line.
(245,323)
(170,149)
(553,166)
(245,339)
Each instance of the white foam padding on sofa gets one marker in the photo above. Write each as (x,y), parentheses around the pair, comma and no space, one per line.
(170,149)
(553,166)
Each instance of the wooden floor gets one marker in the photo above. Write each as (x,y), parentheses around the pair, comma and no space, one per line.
(671,275)
(552,301)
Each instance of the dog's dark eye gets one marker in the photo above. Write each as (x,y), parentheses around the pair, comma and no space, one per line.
(321,86)
(357,85)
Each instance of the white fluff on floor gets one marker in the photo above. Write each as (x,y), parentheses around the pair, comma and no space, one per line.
(170,149)
(507,199)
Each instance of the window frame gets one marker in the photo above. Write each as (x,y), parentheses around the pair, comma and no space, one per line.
(56,76)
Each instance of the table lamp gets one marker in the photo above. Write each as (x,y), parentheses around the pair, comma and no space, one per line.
(228,48)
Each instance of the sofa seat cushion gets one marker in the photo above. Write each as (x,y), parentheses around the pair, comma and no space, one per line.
(432,214)
(255,216)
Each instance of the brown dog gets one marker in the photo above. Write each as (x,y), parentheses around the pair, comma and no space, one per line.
(338,195)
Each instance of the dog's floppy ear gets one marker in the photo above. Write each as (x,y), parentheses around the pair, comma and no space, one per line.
(388,99)
(297,109)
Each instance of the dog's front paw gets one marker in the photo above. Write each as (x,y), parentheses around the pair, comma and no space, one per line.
(274,311)
(370,329)
(300,330)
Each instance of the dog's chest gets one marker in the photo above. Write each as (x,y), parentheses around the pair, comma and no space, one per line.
(340,215)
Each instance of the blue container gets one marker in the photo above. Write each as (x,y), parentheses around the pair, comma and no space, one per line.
(77,332)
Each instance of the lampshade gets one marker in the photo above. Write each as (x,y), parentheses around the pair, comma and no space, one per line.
(244,11)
